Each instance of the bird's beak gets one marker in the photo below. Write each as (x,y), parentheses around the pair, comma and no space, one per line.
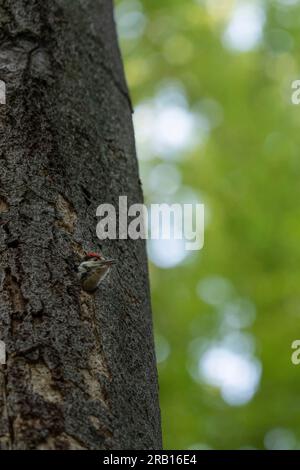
(110,261)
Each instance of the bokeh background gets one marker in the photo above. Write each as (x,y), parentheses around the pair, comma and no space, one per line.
(211,87)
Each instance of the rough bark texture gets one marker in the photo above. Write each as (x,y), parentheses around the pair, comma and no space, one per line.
(80,370)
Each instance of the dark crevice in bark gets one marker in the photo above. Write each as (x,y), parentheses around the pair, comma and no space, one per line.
(6,411)
(118,85)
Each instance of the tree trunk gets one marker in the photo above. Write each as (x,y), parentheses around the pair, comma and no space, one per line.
(80,370)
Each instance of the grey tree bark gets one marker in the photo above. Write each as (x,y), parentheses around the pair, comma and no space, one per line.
(80,370)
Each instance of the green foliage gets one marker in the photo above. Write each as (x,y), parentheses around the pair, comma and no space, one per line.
(246,170)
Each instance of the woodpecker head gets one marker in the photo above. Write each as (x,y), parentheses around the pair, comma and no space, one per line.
(93,269)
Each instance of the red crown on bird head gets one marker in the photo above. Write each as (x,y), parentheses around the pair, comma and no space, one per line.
(92,254)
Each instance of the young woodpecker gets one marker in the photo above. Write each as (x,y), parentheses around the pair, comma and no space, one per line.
(93,269)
